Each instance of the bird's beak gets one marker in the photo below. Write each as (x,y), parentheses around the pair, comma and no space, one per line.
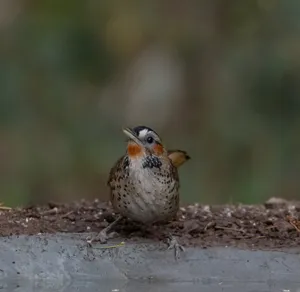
(131,135)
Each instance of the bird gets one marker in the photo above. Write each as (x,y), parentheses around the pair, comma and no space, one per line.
(144,182)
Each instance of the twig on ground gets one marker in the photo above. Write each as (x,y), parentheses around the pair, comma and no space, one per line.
(2,207)
(230,228)
(209,224)
(294,222)
(66,214)
(52,211)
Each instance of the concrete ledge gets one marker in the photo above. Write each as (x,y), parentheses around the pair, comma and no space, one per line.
(60,260)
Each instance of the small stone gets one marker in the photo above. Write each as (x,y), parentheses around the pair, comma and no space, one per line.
(275,202)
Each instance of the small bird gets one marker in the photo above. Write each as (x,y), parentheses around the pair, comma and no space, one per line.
(144,183)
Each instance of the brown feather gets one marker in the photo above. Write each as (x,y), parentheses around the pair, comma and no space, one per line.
(178,157)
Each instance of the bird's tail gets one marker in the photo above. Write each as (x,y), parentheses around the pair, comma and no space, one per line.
(178,157)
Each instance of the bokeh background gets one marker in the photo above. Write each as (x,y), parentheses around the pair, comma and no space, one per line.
(219,79)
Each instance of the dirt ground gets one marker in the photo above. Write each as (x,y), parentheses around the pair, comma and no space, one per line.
(272,225)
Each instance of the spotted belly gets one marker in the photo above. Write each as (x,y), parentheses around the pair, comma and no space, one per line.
(146,202)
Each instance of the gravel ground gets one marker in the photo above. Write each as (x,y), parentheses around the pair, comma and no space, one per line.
(272,225)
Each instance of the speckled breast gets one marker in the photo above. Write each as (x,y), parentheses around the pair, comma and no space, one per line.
(147,194)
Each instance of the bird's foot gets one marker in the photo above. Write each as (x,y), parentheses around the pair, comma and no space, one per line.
(102,237)
(173,244)
(105,233)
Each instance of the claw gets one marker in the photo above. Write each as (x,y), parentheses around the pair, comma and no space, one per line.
(102,237)
(105,233)
(173,244)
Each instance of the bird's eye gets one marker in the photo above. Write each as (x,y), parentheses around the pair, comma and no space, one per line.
(150,140)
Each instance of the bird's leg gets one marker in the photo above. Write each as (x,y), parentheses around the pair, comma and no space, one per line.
(104,234)
(173,244)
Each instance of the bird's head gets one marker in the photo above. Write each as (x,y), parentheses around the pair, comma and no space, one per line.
(143,141)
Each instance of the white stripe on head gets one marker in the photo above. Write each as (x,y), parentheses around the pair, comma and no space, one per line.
(143,133)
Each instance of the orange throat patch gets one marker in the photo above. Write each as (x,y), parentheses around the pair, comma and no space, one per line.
(134,150)
(158,149)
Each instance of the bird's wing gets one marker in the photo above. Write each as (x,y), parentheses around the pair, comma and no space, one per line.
(117,169)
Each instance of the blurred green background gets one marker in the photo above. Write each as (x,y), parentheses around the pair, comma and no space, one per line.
(219,79)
